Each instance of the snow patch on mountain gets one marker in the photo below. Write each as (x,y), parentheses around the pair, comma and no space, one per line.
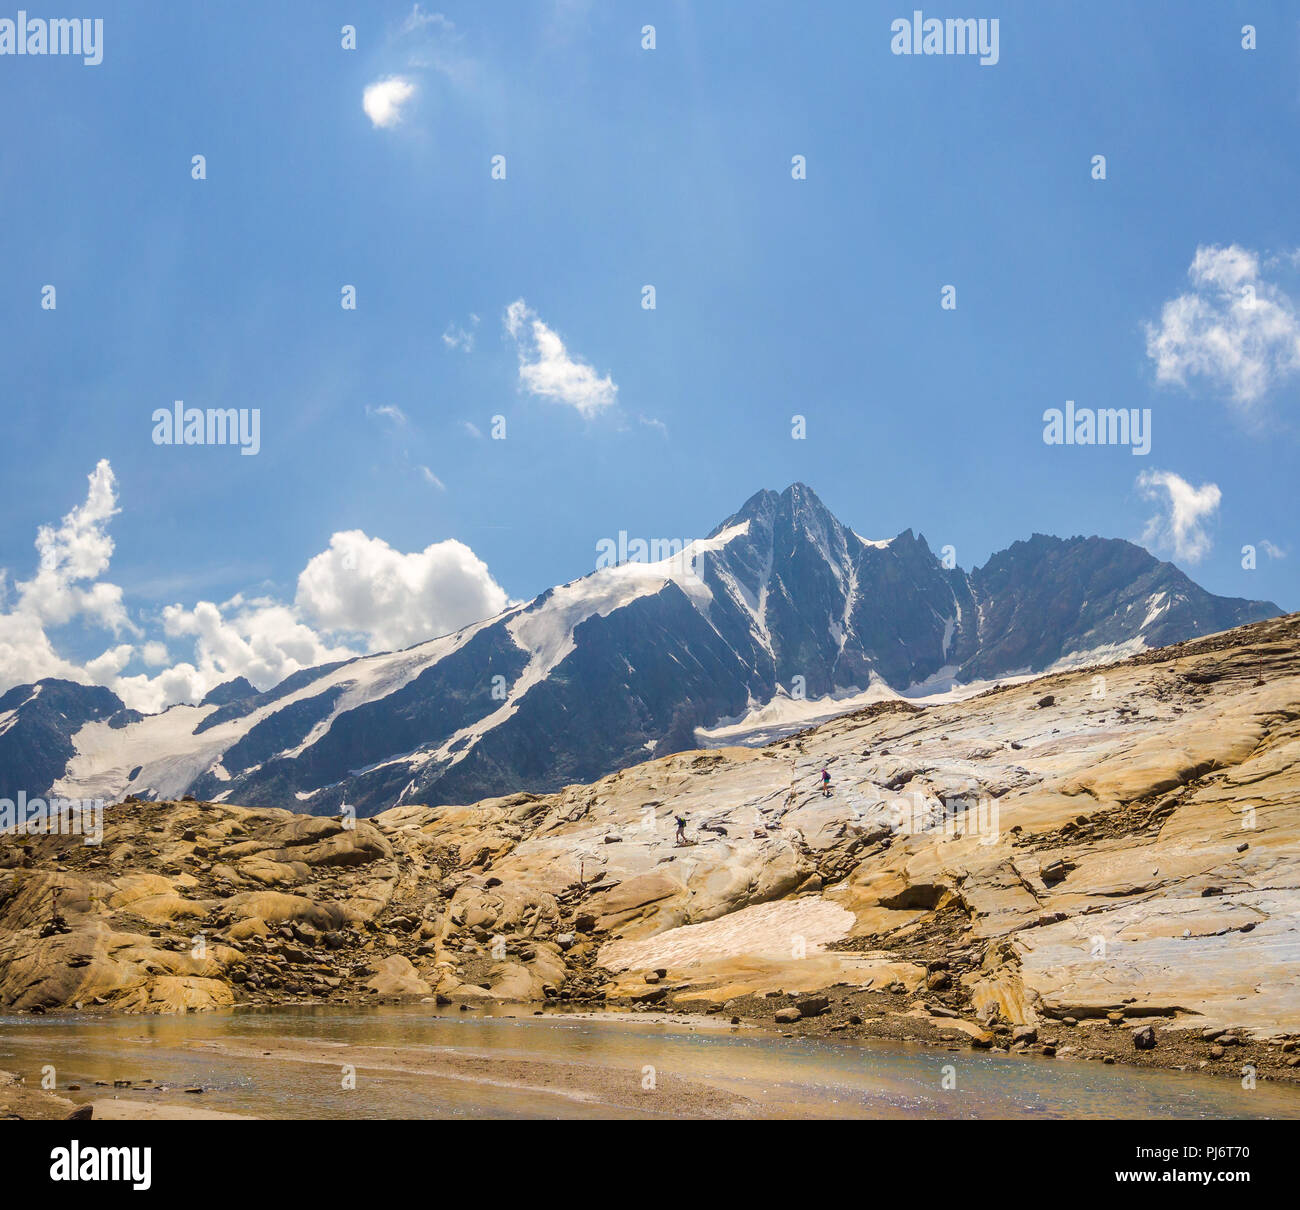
(784,715)
(878,543)
(171,756)
(1157,604)
(781,596)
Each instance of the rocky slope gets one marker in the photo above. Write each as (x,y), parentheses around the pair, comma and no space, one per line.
(781,601)
(1055,865)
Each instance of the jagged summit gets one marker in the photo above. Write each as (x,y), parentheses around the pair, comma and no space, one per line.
(760,506)
(782,603)
(230,691)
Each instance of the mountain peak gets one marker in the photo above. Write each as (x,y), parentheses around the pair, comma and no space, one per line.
(230,691)
(797,500)
(761,506)
(601,671)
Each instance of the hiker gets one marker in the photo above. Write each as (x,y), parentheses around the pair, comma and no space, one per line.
(56,924)
(826,784)
(681,829)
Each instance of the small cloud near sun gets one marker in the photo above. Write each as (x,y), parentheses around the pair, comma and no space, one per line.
(383,100)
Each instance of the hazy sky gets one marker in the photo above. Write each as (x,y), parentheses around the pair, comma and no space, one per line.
(379,508)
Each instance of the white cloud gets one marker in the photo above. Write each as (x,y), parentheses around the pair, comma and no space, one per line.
(546,369)
(360,595)
(383,100)
(79,549)
(471,428)
(1180,525)
(104,669)
(26,653)
(1235,330)
(259,638)
(388,412)
(431,479)
(1272,549)
(432,43)
(65,589)
(424,54)
(419,20)
(456,337)
(362,586)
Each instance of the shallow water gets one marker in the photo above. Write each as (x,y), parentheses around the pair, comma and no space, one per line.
(779,1077)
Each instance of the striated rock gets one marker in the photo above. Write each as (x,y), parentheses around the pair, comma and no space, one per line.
(1026,867)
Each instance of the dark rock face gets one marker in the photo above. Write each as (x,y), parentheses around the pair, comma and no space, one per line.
(834,609)
(244,706)
(37,745)
(230,691)
(1048,597)
(604,672)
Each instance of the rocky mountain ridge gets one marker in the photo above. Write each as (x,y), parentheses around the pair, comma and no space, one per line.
(1100,862)
(781,602)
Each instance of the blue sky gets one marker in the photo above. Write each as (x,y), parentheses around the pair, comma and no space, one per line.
(625,167)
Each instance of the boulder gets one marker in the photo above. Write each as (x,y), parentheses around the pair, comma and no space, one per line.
(396,976)
(1144,1038)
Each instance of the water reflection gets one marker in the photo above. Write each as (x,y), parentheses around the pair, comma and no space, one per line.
(418,1063)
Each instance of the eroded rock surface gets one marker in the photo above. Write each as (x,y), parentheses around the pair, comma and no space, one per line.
(1117,842)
